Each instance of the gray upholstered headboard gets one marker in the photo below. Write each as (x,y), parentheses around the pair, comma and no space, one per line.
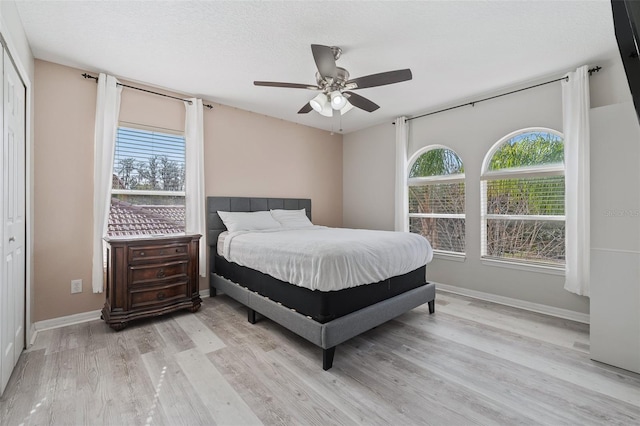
(245,204)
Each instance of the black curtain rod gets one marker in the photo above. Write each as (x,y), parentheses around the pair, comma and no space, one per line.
(85,75)
(591,71)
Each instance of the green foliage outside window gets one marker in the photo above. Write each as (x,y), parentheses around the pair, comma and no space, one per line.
(527,150)
(437,162)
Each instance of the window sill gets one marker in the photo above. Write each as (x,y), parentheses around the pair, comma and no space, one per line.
(551,270)
(451,256)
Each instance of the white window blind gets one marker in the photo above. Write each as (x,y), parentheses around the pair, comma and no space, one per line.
(149,160)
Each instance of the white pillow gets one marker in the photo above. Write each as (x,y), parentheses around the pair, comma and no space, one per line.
(248,221)
(292,218)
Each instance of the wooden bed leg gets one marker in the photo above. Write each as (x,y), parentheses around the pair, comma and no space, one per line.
(252,316)
(432,306)
(327,358)
(212,292)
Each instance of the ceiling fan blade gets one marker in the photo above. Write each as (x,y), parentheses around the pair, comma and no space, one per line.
(381,79)
(305,109)
(325,61)
(361,102)
(286,85)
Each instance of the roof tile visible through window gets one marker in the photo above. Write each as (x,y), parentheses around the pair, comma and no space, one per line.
(126,219)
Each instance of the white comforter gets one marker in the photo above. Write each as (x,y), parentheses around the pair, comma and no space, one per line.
(326,259)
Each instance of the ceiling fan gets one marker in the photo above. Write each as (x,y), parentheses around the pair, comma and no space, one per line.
(335,86)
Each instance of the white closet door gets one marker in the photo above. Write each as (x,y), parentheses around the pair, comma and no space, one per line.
(12,278)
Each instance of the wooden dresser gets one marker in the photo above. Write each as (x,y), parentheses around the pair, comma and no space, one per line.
(147,277)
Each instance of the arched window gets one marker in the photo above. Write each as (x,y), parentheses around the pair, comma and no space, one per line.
(436,198)
(522,181)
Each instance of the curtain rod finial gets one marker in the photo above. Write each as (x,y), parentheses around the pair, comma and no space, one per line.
(85,75)
(594,69)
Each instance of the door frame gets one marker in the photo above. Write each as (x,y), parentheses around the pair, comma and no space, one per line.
(13,52)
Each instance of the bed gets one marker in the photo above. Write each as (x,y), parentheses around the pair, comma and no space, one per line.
(325,318)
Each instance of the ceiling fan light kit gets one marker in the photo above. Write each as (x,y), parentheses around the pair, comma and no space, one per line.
(335,86)
(325,106)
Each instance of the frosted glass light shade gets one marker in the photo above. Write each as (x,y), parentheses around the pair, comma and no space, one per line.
(347,107)
(338,101)
(318,102)
(327,111)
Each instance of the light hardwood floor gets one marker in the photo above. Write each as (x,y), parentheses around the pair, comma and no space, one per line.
(472,362)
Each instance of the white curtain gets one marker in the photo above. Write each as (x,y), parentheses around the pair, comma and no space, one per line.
(402,194)
(107,111)
(575,112)
(194,179)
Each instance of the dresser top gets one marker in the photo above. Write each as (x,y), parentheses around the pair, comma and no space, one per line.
(150,238)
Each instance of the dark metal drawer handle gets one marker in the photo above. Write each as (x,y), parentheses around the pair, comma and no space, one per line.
(160,273)
(178,251)
(160,296)
(141,253)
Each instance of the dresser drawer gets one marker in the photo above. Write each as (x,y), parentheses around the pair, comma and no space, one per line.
(158,252)
(152,273)
(146,297)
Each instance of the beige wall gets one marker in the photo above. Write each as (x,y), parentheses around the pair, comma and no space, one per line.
(253,155)
(246,154)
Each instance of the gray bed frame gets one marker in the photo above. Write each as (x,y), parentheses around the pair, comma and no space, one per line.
(327,335)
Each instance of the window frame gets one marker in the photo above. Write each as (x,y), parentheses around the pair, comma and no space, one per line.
(149,192)
(426,180)
(539,171)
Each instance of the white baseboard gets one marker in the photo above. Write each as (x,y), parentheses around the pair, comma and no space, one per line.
(33,333)
(78,318)
(516,303)
(67,320)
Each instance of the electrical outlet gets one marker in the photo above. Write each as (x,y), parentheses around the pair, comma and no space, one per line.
(76,286)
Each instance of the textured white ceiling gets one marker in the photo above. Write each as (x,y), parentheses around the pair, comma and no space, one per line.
(216,49)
